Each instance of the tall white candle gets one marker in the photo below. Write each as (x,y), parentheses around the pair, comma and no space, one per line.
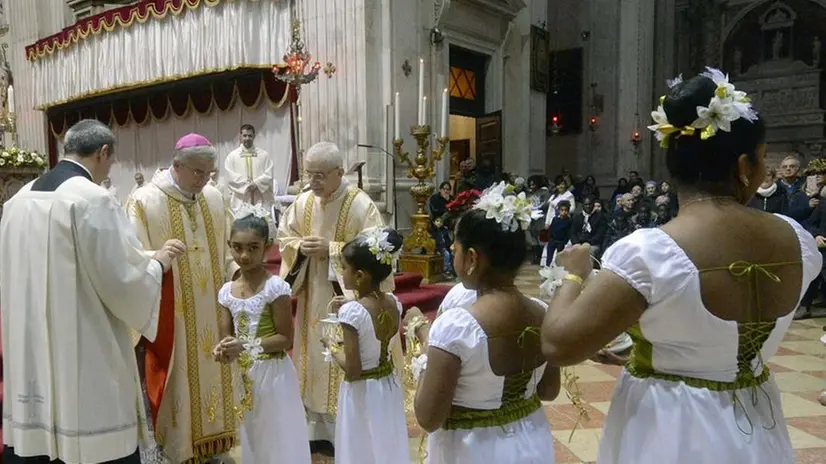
(396,131)
(424,112)
(421,90)
(10,96)
(445,108)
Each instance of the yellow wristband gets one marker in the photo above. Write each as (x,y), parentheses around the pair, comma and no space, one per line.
(575,278)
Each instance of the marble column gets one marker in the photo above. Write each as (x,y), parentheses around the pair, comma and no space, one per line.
(525,126)
(635,69)
(665,67)
(29,23)
(340,109)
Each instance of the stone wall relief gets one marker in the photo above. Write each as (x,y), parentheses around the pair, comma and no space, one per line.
(777,26)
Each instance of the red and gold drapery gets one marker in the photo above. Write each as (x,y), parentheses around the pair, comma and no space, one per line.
(221,92)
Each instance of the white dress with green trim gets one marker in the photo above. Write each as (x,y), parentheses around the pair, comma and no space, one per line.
(494,419)
(371,427)
(273,429)
(697,389)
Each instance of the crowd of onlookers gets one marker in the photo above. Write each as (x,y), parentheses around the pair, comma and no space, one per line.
(576,211)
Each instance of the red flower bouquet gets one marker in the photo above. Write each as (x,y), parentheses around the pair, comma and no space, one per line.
(463,202)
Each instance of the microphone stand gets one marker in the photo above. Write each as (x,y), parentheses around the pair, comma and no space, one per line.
(393,173)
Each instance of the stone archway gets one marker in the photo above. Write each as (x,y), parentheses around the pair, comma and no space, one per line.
(730,25)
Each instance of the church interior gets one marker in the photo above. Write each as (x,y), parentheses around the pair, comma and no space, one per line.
(412,92)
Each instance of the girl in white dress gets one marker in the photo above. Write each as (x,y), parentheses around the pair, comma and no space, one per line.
(256,329)
(371,426)
(484,376)
(707,298)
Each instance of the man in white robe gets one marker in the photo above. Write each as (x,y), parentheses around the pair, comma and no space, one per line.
(107,184)
(249,173)
(73,280)
(312,233)
(191,396)
(139,182)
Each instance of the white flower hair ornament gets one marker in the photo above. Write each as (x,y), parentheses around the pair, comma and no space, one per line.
(553,276)
(509,210)
(257,211)
(379,244)
(726,106)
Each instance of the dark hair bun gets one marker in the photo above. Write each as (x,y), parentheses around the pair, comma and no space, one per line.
(692,160)
(681,104)
(357,253)
(504,249)
(394,238)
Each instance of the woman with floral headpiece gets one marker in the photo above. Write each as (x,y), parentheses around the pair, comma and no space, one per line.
(371,426)
(482,376)
(705,305)
(256,330)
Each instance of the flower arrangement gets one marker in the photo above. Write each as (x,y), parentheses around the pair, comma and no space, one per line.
(511,211)
(18,158)
(726,106)
(379,244)
(463,202)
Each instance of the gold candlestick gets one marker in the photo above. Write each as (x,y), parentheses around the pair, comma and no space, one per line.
(421,167)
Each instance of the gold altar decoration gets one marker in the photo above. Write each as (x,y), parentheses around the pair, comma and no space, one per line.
(419,248)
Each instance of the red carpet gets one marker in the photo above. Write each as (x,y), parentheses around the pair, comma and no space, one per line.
(409,288)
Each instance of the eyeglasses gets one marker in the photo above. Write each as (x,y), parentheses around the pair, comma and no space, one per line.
(199,172)
(318,175)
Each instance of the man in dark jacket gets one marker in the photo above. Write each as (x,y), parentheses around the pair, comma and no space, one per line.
(589,227)
(816,225)
(797,205)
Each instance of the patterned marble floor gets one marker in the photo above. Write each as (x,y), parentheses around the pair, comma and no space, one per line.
(799,367)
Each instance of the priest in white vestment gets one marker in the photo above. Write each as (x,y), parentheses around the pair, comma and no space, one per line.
(107,184)
(192,399)
(74,279)
(139,182)
(249,173)
(312,233)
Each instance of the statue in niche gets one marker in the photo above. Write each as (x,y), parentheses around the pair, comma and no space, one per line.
(737,61)
(816,52)
(777,45)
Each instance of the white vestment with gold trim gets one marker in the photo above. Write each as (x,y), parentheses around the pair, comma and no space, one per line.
(339,219)
(249,177)
(197,417)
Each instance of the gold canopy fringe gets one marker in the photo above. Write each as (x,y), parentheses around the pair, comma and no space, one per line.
(83,29)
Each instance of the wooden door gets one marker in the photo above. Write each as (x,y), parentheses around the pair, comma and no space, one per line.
(459,151)
(489,141)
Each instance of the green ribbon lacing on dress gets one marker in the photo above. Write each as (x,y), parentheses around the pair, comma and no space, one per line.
(514,406)
(385,366)
(752,334)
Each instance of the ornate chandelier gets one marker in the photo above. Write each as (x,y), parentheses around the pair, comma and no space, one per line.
(297,67)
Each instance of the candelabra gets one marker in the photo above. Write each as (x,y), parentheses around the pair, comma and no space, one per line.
(421,168)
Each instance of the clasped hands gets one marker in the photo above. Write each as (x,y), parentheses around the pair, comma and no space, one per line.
(315,246)
(228,350)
